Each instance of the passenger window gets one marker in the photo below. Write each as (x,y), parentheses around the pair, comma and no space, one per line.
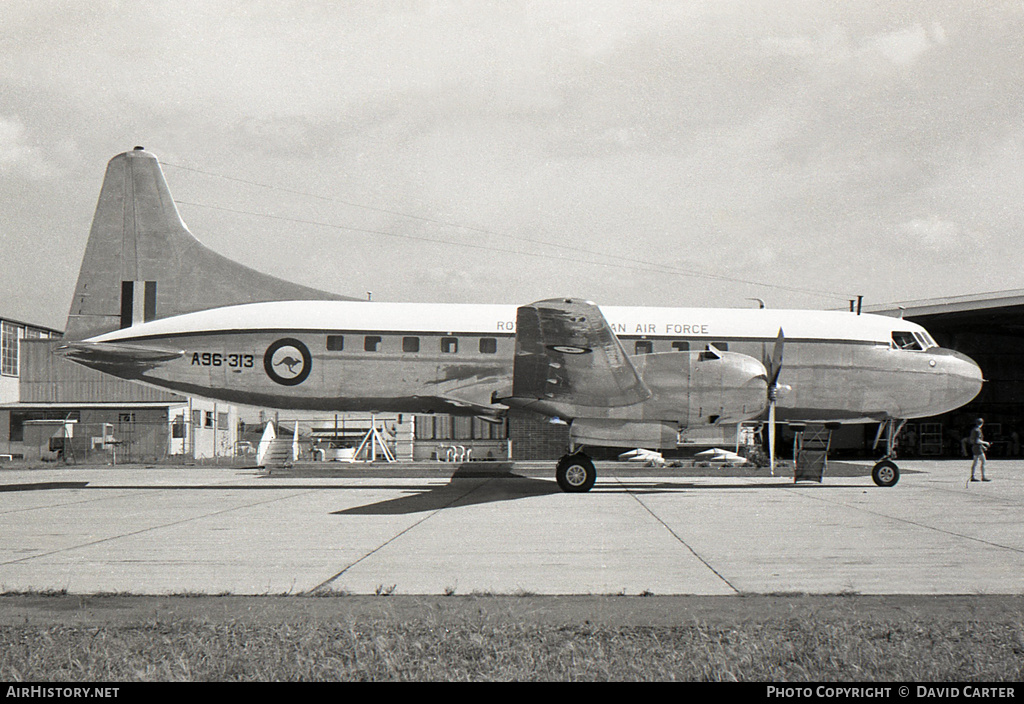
(721,346)
(905,340)
(449,345)
(371,343)
(681,345)
(335,343)
(643,347)
(410,344)
(488,345)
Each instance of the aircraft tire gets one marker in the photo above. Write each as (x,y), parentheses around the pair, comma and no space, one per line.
(575,473)
(885,473)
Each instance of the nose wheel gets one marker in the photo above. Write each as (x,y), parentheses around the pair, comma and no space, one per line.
(575,473)
(885,473)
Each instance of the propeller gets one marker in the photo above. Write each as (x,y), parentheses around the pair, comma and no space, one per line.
(774,368)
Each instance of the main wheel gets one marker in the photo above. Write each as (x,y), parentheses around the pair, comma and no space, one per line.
(885,473)
(575,473)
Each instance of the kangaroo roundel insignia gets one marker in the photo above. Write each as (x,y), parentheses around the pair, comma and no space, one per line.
(288,362)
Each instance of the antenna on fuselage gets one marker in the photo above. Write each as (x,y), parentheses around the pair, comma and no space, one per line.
(760,303)
(859,300)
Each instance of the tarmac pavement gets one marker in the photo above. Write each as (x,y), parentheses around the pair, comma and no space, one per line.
(407,529)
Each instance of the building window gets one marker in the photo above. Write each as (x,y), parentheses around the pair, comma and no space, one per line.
(449,345)
(371,343)
(488,345)
(335,343)
(209,419)
(222,421)
(410,344)
(9,349)
(178,427)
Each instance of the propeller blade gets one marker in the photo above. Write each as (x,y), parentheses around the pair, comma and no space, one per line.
(774,369)
(776,361)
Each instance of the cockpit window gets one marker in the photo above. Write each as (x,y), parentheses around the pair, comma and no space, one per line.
(905,340)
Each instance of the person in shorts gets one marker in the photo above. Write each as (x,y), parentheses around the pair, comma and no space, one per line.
(978,447)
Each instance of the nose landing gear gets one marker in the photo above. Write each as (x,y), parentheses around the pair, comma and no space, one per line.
(885,472)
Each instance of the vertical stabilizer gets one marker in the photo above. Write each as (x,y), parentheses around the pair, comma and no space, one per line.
(141,263)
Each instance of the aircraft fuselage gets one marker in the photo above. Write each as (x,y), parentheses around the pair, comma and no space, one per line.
(456,358)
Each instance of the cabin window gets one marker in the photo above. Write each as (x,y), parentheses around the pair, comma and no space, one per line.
(449,345)
(488,345)
(720,346)
(371,343)
(335,343)
(410,344)
(905,340)
(643,347)
(680,345)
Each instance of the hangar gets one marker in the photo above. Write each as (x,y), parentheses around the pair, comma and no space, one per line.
(63,411)
(989,328)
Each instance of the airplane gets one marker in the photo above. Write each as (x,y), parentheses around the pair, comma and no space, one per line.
(154,305)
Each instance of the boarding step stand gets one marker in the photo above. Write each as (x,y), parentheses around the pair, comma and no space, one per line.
(810,448)
(276,452)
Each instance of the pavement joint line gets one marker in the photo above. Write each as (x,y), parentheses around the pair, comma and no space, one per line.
(395,537)
(676,535)
(151,528)
(913,523)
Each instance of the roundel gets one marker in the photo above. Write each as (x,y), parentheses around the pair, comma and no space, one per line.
(287,361)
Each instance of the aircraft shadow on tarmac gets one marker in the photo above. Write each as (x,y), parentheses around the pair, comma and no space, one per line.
(469,486)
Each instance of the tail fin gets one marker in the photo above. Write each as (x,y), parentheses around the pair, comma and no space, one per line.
(141,263)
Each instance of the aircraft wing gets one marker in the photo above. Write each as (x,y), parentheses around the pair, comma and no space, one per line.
(568,356)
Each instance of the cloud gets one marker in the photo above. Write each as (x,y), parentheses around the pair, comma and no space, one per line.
(17,155)
(934,233)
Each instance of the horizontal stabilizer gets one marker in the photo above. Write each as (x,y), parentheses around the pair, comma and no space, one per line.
(567,354)
(100,355)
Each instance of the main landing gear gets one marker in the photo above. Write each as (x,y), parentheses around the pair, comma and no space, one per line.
(575,473)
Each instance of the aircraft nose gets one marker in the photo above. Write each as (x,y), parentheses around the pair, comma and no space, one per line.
(964,375)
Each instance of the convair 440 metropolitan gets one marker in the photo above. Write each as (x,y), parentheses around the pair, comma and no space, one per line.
(154,305)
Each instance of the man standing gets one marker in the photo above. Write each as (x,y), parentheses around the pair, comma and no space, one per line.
(978,446)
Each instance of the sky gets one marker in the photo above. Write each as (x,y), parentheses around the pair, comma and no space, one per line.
(632,153)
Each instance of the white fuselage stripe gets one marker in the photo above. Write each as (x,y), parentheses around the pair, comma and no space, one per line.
(499,320)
